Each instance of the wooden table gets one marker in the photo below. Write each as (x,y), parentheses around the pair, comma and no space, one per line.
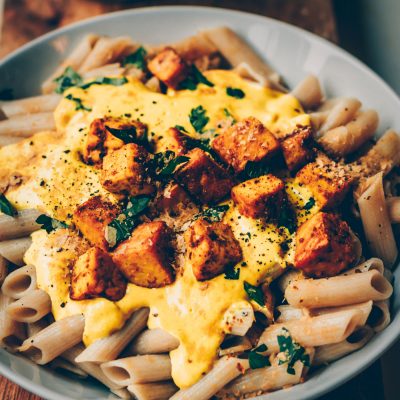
(26,19)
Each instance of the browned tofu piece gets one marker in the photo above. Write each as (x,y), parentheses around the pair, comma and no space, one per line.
(92,218)
(203,178)
(126,171)
(100,141)
(95,275)
(297,148)
(145,258)
(168,67)
(324,246)
(247,140)
(172,140)
(327,180)
(259,197)
(211,247)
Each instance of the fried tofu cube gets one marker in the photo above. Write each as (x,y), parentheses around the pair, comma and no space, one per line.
(146,257)
(259,197)
(327,180)
(211,248)
(169,67)
(92,218)
(95,275)
(247,140)
(297,148)
(203,178)
(125,171)
(172,140)
(100,139)
(324,246)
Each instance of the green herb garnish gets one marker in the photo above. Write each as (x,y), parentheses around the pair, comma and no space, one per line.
(310,204)
(287,219)
(78,103)
(6,207)
(235,92)
(213,214)
(137,59)
(105,81)
(50,224)
(255,293)
(257,360)
(169,169)
(193,79)
(165,163)
(69,78)
(198,118)
(254,170)
(181,128)
(232,273)
(128,135)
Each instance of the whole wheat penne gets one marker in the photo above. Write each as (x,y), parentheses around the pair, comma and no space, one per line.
(318,118)
(109,348)
(31,307)
(308,92)
(21,225)
(289,277)
(338,290)
(238,318)
(313,331)
(153,391)
(20,282)
(376,221)
(153,341)
(224,371)
(234,345)
(393,207)
(138,369)
(331,352)
(288,313)
(195,47)
(3,269)
(27,125)
(31,105)
(6,140)
(346,139)
(114,69)
(368,265)
(379,318)
(54,340)
(14,250)
(60,363)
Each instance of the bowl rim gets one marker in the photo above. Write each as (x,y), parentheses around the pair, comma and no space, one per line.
(391,333)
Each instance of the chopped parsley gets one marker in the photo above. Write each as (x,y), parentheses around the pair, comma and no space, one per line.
(213,214)
(235,92)
(310,204)
(105,81)
(136,59)
(293,352)
(69,78)
(254,170)
(181,128)
(50,224)
(255,293)
(258,360)
(6,94)
(6,207)
(171,166)
(127,135)
(193,79)
(165,163)
(232,273)
(198,118)
(78,103)
(287,219)
(123,225)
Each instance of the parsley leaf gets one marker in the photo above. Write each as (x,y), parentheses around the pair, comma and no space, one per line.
(127,220)
(171,166)
(6,94)
(198,118)
(254,170)
(128,135)
(105,81)
(232,273)
(50,224)
(165,163)
(287,219)
(293,352)
(181,128)
(6,207)
(193,79)
(137,59)
(78,103)
(255,293)
(235,92)
(68,79)
(257,360)
(310,204)
(213,214)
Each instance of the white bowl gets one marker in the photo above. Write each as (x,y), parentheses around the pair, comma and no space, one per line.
(291,51)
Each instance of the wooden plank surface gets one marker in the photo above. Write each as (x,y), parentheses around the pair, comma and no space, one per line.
(25,20)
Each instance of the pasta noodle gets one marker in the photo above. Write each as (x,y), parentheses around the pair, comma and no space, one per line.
(380,316)
(20,282)
(236,345)
(369,265)
(239,318)
(153,391)
(27,125)
(288,313)
(308,92)
(14,250)
(393,207)
(153,341)
(3,269)
(20,226)
(31,105)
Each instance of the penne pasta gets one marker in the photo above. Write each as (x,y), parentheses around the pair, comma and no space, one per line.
(27,125)
(153,391)
(288,313)
(19,226)
(31,105)
(14,250)
(114,69)
(308,92)
(20,282)
(3,269)
(138,369)
(379,318)
(234,345)
(318,118)
(369,265)
(153,341)
(54,340)
(338,290)
(393,207)
(109,348)
(239,318)
(31,307)
(288,277)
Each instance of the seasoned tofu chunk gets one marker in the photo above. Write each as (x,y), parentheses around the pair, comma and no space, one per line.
(125,171)
(168,67)
(327,180)
(203,178)
(172,140)
(100,139)
(248,140)
(211,247)
(259,197)
(324,246)
(297,148)
(145,258)
(92,218)
(95,275)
